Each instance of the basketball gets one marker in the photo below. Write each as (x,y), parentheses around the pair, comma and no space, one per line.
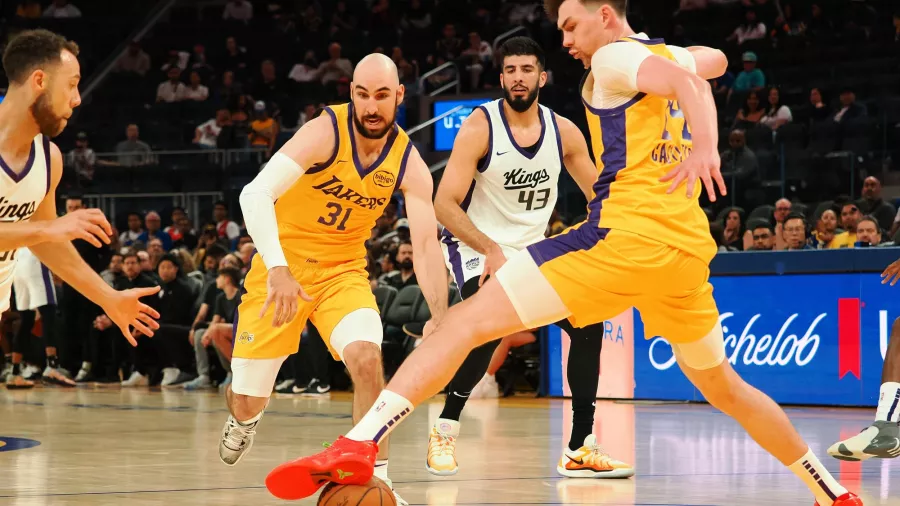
(374,493)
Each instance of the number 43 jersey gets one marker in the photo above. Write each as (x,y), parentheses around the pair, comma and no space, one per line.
(515,188)
(329,213)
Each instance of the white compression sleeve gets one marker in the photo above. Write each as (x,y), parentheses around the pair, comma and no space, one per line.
(258,205)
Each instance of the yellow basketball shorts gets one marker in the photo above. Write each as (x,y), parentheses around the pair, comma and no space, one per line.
(337,289)
(591,274)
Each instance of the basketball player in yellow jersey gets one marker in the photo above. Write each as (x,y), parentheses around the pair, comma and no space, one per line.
(645,243)
(310,212)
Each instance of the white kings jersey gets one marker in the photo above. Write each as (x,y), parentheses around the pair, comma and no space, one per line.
(20,196)
(515,188)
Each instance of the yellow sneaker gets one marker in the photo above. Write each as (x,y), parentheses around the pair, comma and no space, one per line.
(442,449)
(590,461)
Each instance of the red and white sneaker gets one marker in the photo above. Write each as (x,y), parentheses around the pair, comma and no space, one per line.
(347,462)
(848,499)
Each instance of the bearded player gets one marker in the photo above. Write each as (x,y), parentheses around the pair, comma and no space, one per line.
(495,199)
(43,73)
(310,212)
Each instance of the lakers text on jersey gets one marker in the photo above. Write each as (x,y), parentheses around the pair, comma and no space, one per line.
(20,196)
(324,221)
(639,246)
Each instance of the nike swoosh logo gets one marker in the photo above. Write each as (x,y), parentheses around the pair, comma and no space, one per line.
(577,461)
(501,154)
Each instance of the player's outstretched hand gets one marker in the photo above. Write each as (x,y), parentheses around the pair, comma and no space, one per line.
(88,224)
(283,291)
(126,310)
(492,263)
(703,166)
(891,274)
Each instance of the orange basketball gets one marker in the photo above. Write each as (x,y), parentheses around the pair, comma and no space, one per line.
(374,493)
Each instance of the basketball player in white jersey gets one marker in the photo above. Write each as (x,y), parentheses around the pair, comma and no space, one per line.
(495,199)
(43,74)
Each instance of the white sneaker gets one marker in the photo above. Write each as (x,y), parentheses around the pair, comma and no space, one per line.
(237,439)
(55,377)
(284,385)
(83,373)
(31,372)
(441,458)
(136,380)
(170,374)
(487,388)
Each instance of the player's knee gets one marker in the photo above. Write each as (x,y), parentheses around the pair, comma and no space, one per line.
(363,359)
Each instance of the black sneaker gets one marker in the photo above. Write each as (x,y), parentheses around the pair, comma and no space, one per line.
(285,387)
(316,388)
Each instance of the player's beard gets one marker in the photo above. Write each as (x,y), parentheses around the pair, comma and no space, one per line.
(49,123)
(521,104)
(375,134)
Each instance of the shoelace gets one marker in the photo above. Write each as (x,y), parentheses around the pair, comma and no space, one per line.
(445,444)
(237,434)
(598,455)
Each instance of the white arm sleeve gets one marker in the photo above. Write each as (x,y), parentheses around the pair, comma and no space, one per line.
(258,205)
(615,66)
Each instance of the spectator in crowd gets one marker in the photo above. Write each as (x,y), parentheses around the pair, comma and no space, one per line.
(28,9)
(268,87)
(134,232)
(416,18)
(850,217)
(306,71)
(751,78)
(343,23)
(221,330)
(408,72)
(782,210)
(177,212)
(717,231)
(776,114)
(263,129)
(154,230)
(868,233)
(146,262)
(795,230)
(174,304)
(199,63)
(225,228)
(228,91)
(734,230)
(873,205)
(246,251)
(820,110)
(156,251)
(82,159)
(751,113)
(62,9)
(115,269)
(789,24)
(235,58)
(826,230)
(449,47)
(238,10)
(751,29)
(850,109)
(195,91)
(227,297)
(132,151)
(133,61)
(206,136)
(477,58)
(739,161)
(336,66)
(763,237)
(405,275)
(184,236)
(177,60)
(172,89)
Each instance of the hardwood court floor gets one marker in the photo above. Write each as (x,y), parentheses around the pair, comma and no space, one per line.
(140,447)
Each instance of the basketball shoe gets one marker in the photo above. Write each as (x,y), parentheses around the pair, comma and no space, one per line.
(441,460)
(346,462)
(237,439)
(590,461)
(881,440)
(848,499)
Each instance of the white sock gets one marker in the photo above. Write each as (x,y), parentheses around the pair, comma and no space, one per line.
(381,467)
(818,479)
(252,420)
(387,412)
(447,426)
(889,403)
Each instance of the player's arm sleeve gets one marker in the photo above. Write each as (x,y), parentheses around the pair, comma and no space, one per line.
(313,143)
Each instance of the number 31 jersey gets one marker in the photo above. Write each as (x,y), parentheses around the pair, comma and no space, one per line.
(515,189)
(329,213)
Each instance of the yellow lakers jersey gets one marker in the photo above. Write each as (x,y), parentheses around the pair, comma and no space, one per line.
(330,211)
(634,145)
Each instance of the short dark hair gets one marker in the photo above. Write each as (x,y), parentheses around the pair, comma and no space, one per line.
(552,6)
(33,49)
(762,224)
(170,257)
(221,203)
(523,46)
(232,274)
(797,216)
(872,219)
(132,253)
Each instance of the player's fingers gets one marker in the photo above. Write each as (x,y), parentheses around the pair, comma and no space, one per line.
(720,181)
(280,309)
(484,275)
(149,311)
(87,236)
(262,312)
(671,174)
(304,295)
(676,182)
(150,322)
(150,290)
(127,333)
(97,217)
(142,328)
(292,311)
(710,188)
(98,232)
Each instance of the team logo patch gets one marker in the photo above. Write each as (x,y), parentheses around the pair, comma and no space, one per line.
(246,338)
(473,263)
(383,178)
(445,427)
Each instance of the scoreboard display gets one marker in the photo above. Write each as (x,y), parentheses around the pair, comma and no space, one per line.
(446,128)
